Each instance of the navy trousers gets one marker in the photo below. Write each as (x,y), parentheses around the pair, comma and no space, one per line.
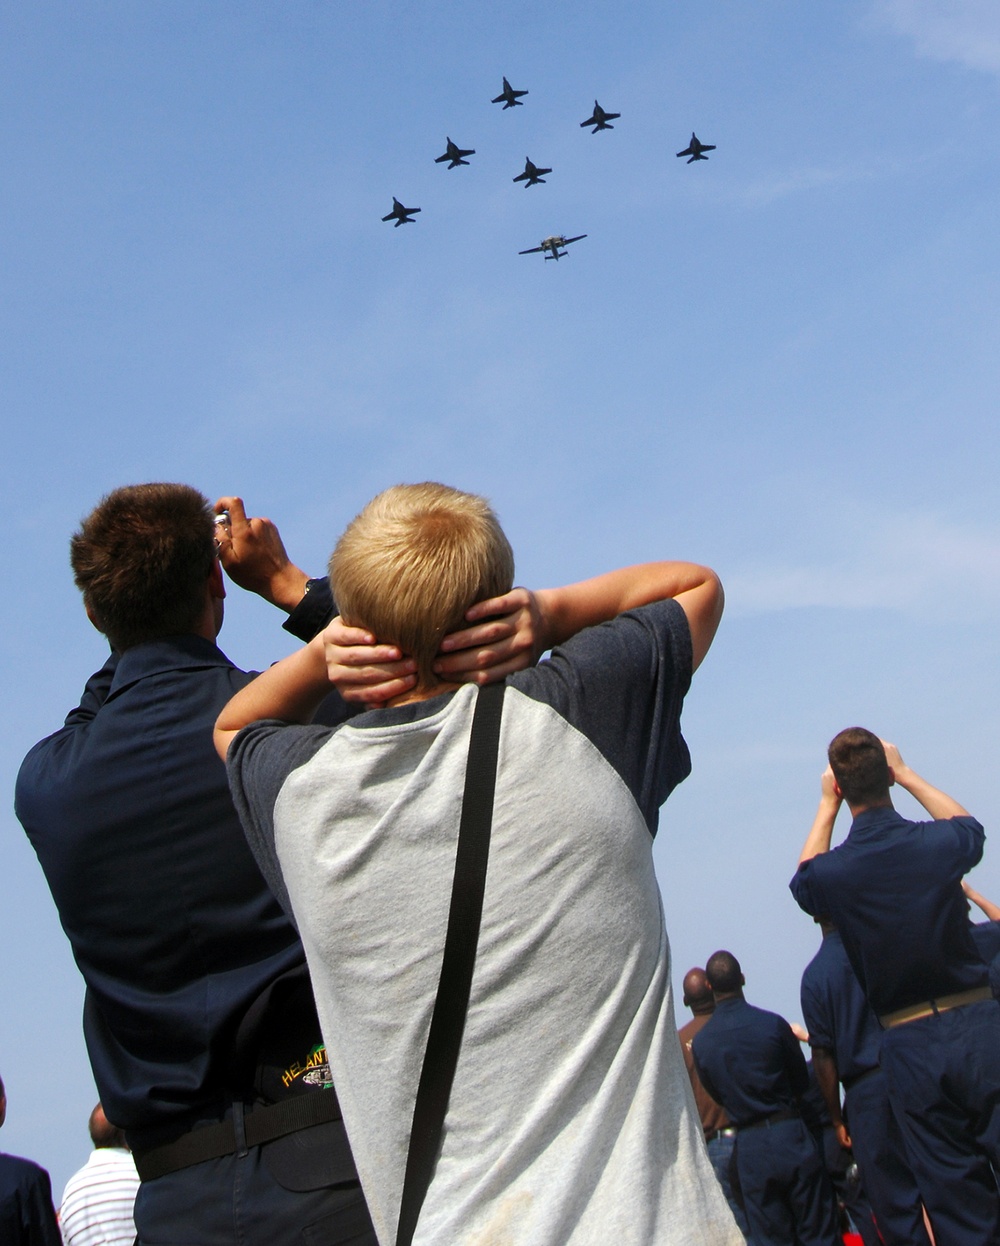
(943,1074)
(880,1151)
(721,1155)
(297,1191)
(786,1190)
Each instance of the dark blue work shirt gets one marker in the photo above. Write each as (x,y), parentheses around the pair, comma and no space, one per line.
(750,1061)
(170,921)
(27,1217)
(893,889)
(836,1012)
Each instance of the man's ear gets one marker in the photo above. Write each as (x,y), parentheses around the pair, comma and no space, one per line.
(892,777)
(216,581)
(836,790)
(92,615)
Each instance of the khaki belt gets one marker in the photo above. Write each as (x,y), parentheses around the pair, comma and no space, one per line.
(931,1007)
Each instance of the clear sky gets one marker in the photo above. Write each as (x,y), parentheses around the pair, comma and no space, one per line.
(782,362)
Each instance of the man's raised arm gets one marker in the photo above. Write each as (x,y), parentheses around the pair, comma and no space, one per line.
(937,803)
(821,831)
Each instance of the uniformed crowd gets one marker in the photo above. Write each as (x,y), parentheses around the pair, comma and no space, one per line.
(190,902)
(901,1021)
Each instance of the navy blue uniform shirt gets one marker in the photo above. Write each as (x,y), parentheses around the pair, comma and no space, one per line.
(750,1061)
(170,921)
(836,1012)
(27,1217)
(893,890)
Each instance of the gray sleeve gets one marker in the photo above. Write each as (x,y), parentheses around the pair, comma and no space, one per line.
(622,685)
(260,759)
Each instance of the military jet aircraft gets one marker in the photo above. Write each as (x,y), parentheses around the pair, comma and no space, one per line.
(695,148)
(600,119)
(553,244)
(401,215)
(509,97)
(454,153)
(532,174)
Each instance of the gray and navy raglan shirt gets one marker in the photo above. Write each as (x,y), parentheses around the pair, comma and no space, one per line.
(570,1119)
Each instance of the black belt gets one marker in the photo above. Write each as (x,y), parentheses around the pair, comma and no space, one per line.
(786,1114)
(851,1082)
(262,1123)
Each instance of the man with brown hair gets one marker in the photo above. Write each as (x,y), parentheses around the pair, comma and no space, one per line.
(569,1118)
(199,1018)
(893,889)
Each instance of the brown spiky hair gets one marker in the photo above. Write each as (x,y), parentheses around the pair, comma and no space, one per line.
(141,559)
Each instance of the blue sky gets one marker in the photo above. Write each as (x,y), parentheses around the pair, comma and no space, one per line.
(782,362)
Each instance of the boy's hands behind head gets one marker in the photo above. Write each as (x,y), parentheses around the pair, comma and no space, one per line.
(507,634)
(363,670)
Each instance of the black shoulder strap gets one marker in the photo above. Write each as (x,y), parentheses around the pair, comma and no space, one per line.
(448,1019)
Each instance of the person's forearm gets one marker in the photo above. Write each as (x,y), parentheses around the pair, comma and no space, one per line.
(290,690)
(821,832)
(570,609)
(828,1081)
(991,910)
(937,803)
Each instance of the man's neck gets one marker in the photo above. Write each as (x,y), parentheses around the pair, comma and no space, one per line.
(877,804)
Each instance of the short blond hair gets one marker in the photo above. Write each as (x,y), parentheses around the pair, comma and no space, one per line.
(413,561)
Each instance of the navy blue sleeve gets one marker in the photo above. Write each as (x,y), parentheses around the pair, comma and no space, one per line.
(986,936)
(622,685)
(970,837)
(795,1061)
(260,759)
(313,612)
(807,889)
(815,1012)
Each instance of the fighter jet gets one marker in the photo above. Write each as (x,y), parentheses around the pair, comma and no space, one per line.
(695,148)
(553,244)
(600,119)
(532,174)
(454,153)
(509,97)
(400,214)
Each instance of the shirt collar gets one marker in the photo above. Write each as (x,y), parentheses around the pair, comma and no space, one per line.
(169,653)
(872,821)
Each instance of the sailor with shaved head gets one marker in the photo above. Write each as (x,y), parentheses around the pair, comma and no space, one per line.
(750,1061)
(720,1132)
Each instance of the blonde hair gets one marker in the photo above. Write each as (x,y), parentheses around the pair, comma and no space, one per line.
(413,561)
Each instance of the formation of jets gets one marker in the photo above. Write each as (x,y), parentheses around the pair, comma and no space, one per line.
(553,246)
(695,148)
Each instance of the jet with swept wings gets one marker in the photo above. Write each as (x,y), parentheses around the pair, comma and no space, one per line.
(399,214)
(509,97)
(552,245)
(695,148)
(600,119)
(455,154)
(532,174)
